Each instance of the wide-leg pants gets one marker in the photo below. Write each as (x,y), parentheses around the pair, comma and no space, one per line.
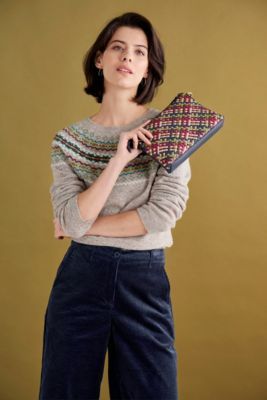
(109,299)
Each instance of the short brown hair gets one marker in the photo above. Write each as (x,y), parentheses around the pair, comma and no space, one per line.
(156,59)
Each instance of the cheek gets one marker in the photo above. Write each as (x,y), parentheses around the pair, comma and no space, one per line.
(143,64)
(141,68)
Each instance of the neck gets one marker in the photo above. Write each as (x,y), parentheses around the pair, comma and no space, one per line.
(117,109)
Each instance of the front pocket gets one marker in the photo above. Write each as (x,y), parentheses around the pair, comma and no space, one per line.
(62,265)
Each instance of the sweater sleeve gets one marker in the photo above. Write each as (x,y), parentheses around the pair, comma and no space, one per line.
(64,192)
(167,200)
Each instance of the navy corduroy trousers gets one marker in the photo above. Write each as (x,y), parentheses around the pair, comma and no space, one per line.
(109,299)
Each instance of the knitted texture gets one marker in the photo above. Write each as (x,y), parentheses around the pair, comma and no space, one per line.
(180,129)
(81,151)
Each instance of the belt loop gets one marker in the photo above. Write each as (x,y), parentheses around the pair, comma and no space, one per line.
(150,258)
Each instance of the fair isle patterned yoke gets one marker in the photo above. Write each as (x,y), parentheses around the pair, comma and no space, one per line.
(88,155)
(81,151)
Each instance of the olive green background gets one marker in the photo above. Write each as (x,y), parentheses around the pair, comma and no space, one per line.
(217,264)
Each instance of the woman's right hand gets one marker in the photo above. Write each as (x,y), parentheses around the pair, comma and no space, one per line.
(137,133)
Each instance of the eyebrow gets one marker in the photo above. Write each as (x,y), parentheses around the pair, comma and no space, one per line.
(121,41)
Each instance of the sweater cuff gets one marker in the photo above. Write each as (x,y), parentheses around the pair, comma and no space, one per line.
(144,213)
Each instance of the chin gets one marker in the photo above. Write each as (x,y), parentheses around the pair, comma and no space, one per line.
(123,84)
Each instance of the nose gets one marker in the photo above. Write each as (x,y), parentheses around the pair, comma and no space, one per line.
(124,57)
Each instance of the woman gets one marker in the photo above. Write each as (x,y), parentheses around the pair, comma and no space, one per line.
(111,291)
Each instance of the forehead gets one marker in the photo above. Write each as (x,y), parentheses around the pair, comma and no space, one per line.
(132,36)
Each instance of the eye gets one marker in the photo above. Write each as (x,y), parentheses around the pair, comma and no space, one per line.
(119,47)
(141,52)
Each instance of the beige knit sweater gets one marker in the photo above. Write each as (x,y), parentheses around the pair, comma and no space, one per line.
(80,152)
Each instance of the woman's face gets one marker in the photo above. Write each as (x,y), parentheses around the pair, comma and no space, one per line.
(127,48)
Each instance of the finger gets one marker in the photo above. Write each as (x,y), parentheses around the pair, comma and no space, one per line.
(147,132)
(141,125)
(145,139)
(144,123)
(135,138)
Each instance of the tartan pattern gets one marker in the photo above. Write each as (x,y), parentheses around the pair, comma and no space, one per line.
(179,130)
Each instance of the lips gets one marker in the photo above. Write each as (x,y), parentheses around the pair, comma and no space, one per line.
(124,69)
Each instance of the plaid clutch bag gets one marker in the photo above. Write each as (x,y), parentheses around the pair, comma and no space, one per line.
(179,130)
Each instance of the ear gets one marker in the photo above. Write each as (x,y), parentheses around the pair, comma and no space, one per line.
(98,60)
